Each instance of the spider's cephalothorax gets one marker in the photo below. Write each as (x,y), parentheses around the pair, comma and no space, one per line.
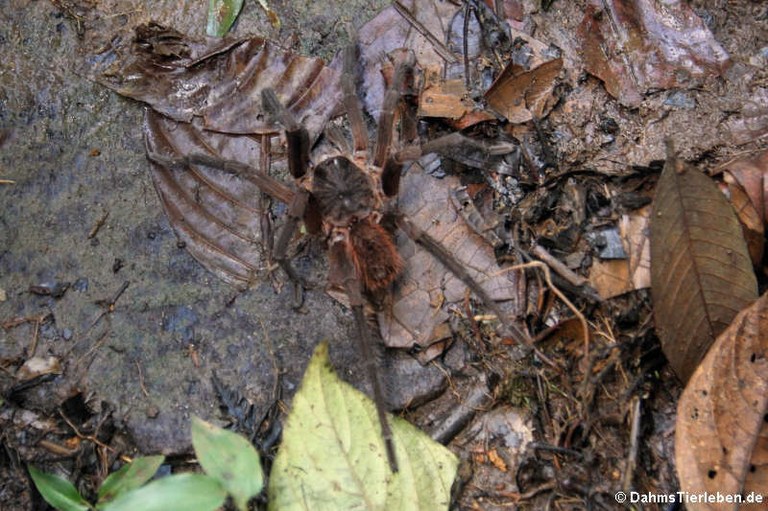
(344,192)
(349,203)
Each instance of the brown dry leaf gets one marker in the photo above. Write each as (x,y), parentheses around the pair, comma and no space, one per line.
(38,366)
(443,98)
(752,225)
(701,273)
(618,276)
(750,172)
(389,31)
(217,81)
(522,95)
(198,93)
(721,434)
(426,287)
(639,45)
(214,213)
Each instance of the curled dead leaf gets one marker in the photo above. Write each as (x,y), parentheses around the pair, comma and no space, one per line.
(216,81)
(521,95)
(721,434)
(750,173)
(38,366)
(752,224)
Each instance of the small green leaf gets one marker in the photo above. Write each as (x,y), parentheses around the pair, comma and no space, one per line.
(230,459)
(129,477)
(333,457)
(182,492)
(58,492)
(221,16)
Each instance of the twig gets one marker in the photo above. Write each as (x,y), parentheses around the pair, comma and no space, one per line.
(57,449)
(480,397)
(558,266)
(109,304)
(99,223)
(440,48)
(82,436)
(37,320)
(633,444)
(141,380)
(548,279)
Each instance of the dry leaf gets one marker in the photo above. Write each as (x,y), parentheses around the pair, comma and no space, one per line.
(215,214)
(750,173)
(426,285)
(198,93)
(38,366)
(634,46)
(217,81)
(522,95)
(721,434)
(443,98)
(701,273)
(752,225)
(618,276)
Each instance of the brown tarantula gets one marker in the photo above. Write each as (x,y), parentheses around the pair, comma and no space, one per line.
(349,198)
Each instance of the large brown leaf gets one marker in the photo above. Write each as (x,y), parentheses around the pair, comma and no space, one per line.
(427,287)
(205,98)
(721,439)
(634,46)
(216,214)
(701,274)
(218,82)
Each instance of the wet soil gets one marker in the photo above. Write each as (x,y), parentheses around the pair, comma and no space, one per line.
(80,221)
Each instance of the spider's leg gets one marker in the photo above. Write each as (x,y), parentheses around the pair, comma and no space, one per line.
(351,103)
(447,259)
(388,116)
(343,273)
(296,210)
(460,148)
(391,112)
(295,134)
(264,181)
(296,200)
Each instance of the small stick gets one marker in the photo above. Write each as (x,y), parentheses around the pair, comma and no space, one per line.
(633,444)
(99,223)
(440,48)
(480,397)
(141,380)
(548,279)
(558,266)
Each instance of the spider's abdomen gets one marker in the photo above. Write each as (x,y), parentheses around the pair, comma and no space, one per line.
(374,255)
(343,191)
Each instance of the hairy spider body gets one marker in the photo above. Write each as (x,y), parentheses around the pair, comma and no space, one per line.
(349,200)
(374,255)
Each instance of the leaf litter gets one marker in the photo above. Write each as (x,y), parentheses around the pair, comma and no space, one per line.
(554,205)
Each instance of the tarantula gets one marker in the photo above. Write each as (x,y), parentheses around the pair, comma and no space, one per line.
(349,198)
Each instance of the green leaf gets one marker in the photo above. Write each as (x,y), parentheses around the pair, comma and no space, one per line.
(58,492)
(230,459)
(333,457)
(182,492)
(129,477)
(221,16)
